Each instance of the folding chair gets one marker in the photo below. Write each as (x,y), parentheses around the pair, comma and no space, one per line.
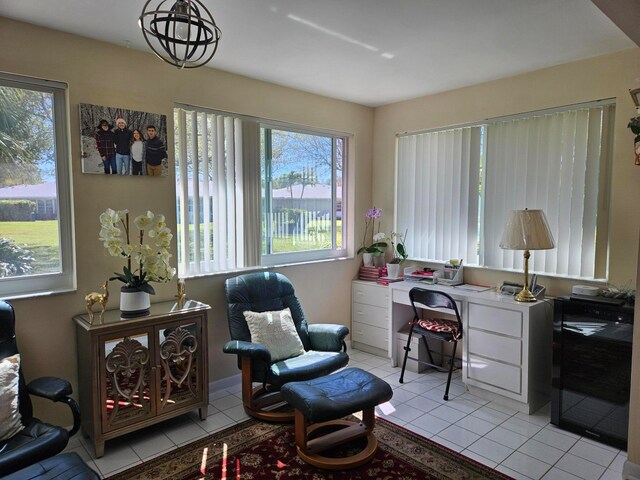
(441,329)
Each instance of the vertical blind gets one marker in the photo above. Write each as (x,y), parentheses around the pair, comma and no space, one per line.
(437,193)
(455,188)
(210,177)
(550,162)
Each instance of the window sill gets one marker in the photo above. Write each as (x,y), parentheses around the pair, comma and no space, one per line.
(47,293)
(478,268)
(265,268)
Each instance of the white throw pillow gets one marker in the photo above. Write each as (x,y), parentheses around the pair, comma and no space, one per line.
(9,410)
(276,331)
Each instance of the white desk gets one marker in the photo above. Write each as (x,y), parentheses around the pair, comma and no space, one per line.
(506,345)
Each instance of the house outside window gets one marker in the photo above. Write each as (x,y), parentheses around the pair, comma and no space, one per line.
(302,192)
(36,242)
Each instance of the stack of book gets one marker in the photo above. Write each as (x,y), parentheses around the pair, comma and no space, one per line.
(388,280)
(371,274)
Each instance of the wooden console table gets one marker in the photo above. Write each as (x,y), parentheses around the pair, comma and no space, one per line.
(135,372)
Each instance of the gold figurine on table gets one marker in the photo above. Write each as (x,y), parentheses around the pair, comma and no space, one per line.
(99,298)
(182,292)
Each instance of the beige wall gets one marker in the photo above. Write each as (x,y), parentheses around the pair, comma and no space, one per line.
(105,74)
(598,78)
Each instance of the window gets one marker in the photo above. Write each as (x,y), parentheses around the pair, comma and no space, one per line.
(36,242)
(252,193)
(301,195)
(468,179)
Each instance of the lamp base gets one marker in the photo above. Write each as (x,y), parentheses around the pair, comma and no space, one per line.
(525,296)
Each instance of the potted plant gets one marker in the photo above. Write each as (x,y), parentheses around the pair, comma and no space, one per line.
(374,249)
(145,262)
(399,254)
(634,125)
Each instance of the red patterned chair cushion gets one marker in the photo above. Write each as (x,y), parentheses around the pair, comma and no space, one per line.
(441,325)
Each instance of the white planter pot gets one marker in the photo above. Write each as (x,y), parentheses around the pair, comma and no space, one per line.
(378,261)
(367,259)
(134,302)
(393,270)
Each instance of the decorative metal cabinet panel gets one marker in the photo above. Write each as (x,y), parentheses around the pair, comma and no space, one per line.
(136,372)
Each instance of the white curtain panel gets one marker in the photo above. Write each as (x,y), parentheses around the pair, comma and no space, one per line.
(549,162)
(437,193)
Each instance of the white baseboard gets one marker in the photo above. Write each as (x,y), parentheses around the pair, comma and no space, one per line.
(631,471)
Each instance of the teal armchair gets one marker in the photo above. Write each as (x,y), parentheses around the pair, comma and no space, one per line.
(324,346)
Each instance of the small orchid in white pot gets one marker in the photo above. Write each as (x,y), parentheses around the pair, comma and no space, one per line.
(399,254)
(378,243)
(146,262)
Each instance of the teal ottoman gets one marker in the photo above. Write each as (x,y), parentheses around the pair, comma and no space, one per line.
(321,403)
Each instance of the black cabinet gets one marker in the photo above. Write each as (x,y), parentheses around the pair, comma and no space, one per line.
(592,346)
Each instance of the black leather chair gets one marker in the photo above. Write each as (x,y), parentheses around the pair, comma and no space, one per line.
(66,466)
(37,440)
(441,329)
(263,292)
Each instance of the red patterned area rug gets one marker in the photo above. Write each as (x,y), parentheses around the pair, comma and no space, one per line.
(256,450)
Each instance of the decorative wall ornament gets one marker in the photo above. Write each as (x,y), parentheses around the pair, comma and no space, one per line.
(634,123)
(184,35)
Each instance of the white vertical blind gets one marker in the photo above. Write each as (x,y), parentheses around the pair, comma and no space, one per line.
(207,143)
(210,176)
(437,193)
(195,197)
(183,192)
(251,192)
(549,162)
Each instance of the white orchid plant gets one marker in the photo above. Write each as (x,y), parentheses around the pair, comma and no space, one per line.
(398,249)
(146,262)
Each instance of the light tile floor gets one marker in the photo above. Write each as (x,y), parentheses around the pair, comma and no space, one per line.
(520,445)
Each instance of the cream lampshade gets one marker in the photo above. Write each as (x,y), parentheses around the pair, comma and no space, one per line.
(526,230)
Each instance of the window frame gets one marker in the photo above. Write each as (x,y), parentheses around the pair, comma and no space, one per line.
(65,280)
(254,258)
(275,259)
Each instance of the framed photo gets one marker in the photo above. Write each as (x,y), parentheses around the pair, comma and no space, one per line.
(118,141)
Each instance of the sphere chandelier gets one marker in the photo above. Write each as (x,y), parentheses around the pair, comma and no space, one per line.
(184,35)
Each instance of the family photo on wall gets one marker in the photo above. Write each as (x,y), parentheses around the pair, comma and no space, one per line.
(118,141)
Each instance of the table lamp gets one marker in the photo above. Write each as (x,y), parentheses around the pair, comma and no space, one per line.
(526,230)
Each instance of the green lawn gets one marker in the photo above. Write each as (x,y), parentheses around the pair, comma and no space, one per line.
(319,240)
(40,237)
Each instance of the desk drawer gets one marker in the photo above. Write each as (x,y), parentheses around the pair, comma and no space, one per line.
(496,374)
(376,295)
(401,296)
(505,349)
(375,316)
(495,319)
(369,335)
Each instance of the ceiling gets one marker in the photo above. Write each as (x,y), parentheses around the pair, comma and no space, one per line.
(371,52)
